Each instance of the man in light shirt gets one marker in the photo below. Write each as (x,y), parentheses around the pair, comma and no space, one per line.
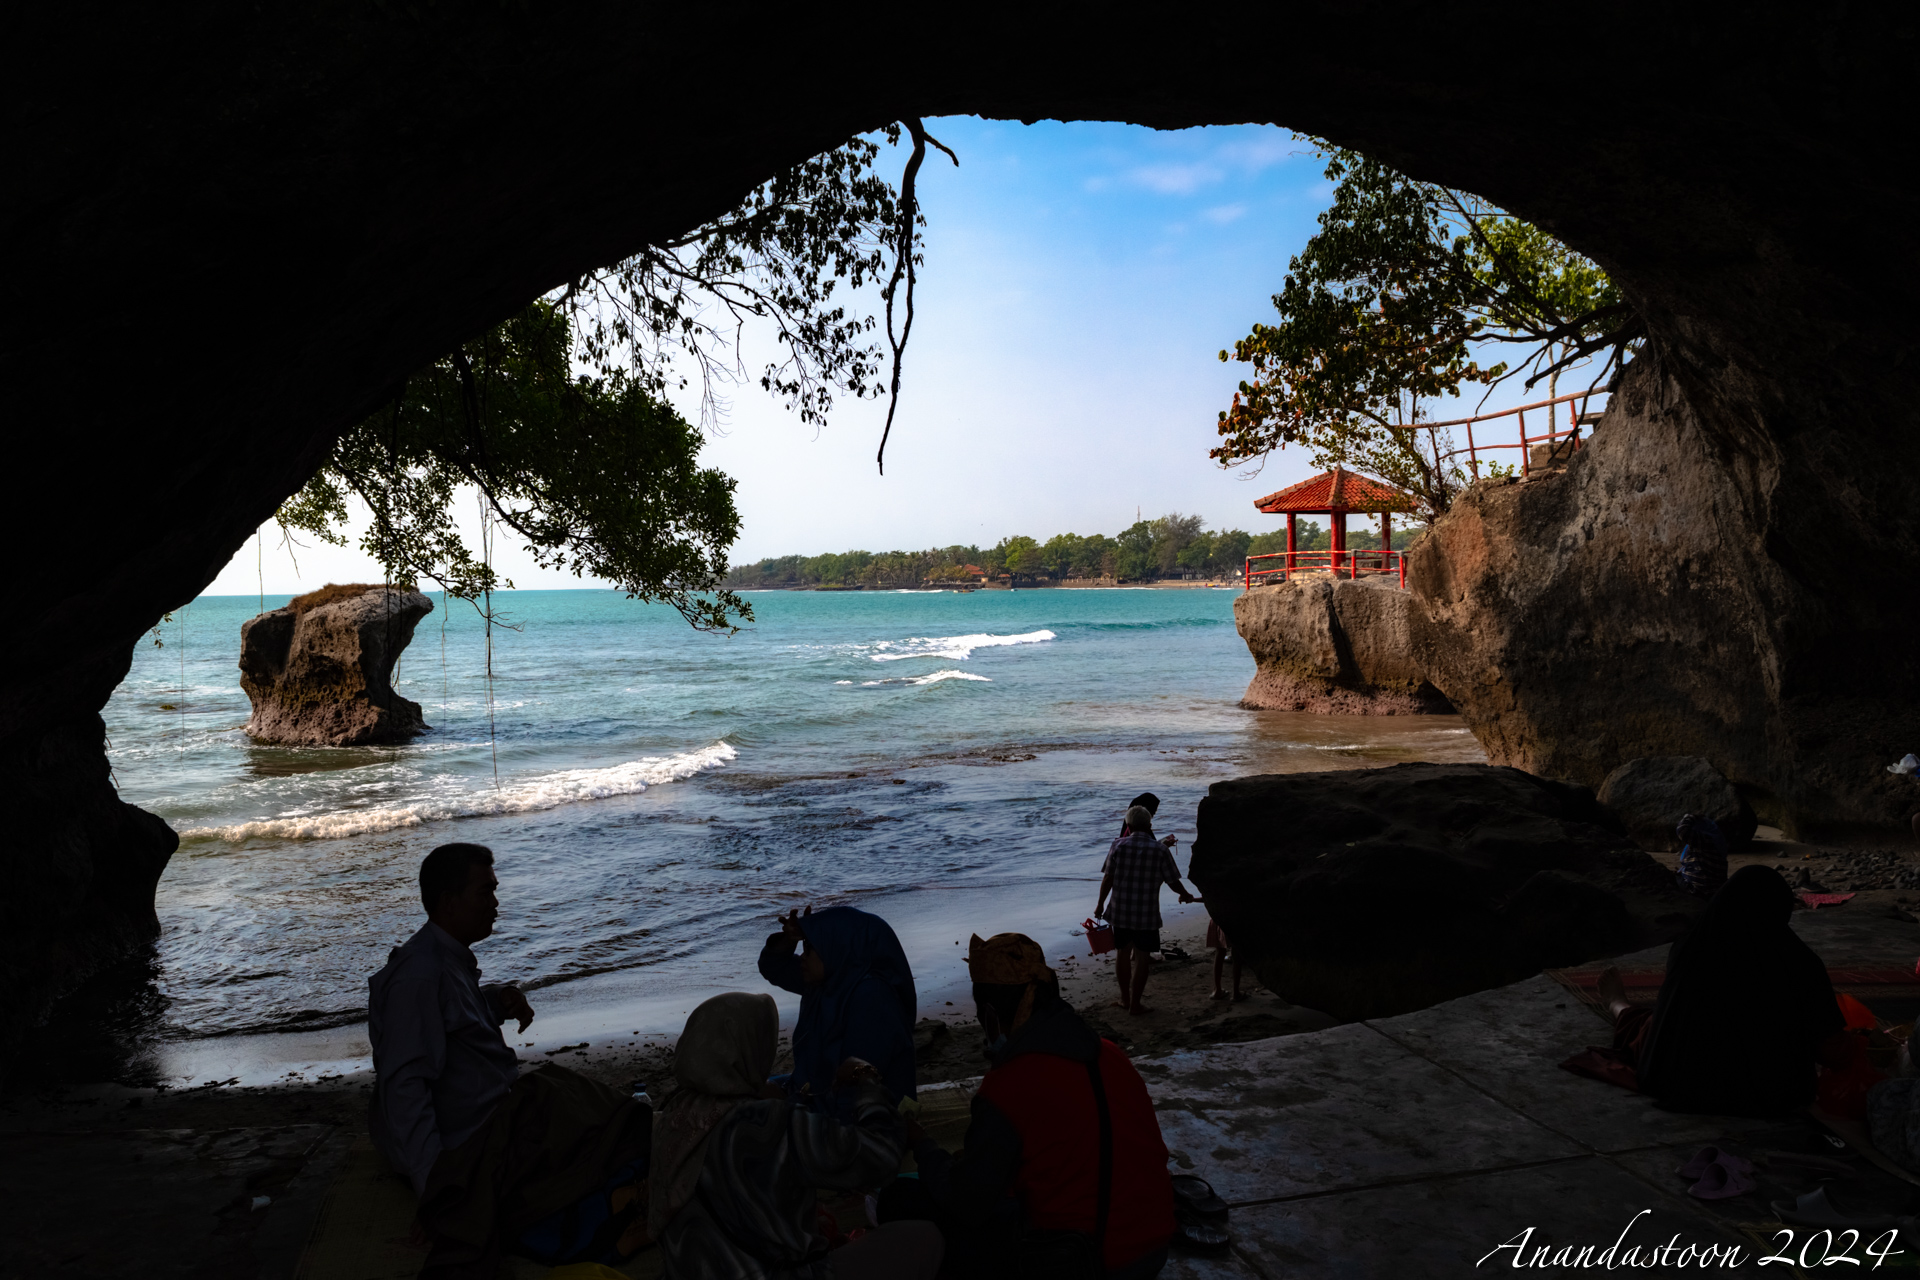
(440,1063)
(548,1165)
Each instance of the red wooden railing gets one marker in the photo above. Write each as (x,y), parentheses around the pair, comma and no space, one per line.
(1553,434)
(1352,563)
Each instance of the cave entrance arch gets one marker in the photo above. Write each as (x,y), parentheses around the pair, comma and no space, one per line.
(228,237)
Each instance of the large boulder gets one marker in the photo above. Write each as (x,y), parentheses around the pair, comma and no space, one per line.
(1372,892)
(1333,645)
(319,672)
(1651,794)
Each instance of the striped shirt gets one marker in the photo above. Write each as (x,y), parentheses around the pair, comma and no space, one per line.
(1139,865)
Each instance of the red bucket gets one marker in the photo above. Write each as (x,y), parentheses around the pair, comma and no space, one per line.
(1099,936)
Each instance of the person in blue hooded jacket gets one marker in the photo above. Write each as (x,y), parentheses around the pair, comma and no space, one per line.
(856,998)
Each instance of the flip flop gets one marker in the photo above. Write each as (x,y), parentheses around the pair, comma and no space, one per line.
(1709,1156)
(1721,1182)
(1195,1234)
(1195,1195)
(1817,1209)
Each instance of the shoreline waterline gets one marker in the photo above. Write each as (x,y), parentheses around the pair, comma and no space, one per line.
(949,806)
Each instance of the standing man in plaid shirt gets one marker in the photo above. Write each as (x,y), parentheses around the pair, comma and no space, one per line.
(1137,865)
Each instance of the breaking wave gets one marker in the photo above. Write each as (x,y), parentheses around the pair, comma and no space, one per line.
(546,791)
(935,678)
(953,648)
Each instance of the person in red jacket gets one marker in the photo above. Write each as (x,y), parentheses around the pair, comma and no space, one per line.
(1063,1155)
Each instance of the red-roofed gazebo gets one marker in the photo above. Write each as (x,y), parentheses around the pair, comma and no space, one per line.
(1337,494)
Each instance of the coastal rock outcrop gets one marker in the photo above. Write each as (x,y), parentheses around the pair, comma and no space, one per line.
(1662,596)
(1371,892)
(1334,645)
(319,671)
(1650,795)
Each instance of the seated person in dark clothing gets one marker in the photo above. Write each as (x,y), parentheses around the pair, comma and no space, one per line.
(1703,855)
(1030,1180)
(1745,1012)
(856,1000)
(737,1166)
(493,1155)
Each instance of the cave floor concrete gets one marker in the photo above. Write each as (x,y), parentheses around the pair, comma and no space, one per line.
(1419,1145)
(1408,1146)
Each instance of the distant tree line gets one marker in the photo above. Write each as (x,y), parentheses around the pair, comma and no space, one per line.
(1173,546)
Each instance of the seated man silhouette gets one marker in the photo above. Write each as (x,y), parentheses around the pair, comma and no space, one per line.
(1030,1192)
(548,1165)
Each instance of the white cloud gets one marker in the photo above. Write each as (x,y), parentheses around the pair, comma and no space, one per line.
(1222,214)
(1260,153)
(1176,179)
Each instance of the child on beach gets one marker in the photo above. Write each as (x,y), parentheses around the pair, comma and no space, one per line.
(1222,949)
(1137,865)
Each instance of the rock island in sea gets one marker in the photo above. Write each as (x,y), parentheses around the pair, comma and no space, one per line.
(319,672)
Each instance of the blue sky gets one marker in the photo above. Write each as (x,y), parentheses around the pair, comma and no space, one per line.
(1080,280)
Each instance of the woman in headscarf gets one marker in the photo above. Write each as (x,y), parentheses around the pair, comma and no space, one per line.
(735,1171)
(856,997)
(1745,1012)
(1029,1182)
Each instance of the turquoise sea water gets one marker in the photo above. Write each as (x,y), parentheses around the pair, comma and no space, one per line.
(956,762)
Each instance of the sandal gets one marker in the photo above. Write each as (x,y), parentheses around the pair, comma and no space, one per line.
(1195,1234)
(1817,1209)
(1195,1195)
(1722,1182)
(1707,1157)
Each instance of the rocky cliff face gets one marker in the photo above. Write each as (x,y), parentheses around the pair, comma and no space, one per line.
(1334,645)
(319,673)
(1664,596)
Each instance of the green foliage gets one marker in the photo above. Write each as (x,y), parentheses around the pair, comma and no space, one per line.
(1172,544)
(594,474)
(1022,557)
(675,310)
(1383,310)
(597,474)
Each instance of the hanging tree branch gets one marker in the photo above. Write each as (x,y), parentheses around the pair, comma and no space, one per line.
(904,260)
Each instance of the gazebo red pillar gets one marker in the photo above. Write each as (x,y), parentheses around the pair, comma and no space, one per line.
(1338,518)
(1289,572)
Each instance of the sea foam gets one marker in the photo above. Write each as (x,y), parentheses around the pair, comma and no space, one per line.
(953,648)
(527,795)
(935,678)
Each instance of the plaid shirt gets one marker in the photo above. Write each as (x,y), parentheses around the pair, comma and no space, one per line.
(1140,865)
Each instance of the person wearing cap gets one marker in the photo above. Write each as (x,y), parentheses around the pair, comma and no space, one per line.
(1030,1191)
(1136,866)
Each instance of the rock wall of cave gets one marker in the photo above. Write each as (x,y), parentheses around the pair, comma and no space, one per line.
(1637,604)
(81,866)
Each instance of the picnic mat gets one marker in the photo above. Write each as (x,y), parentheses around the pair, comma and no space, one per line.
(362,1230)
(1643,985)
